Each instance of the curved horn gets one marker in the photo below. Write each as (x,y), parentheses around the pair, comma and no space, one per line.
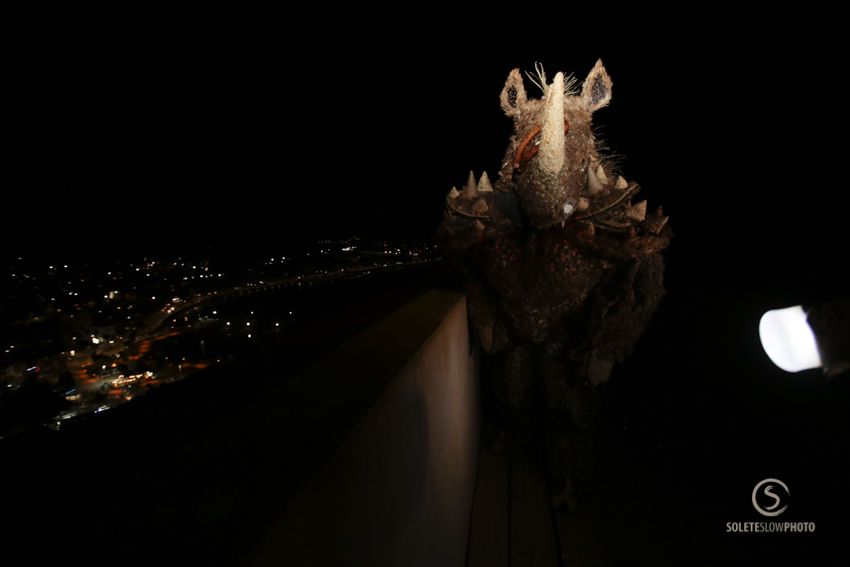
(551,157)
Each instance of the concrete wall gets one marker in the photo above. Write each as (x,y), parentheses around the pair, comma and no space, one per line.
(399,490)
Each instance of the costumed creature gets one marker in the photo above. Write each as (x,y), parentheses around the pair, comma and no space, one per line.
(562,267)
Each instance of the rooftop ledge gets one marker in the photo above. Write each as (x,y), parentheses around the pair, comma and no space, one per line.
(398,491)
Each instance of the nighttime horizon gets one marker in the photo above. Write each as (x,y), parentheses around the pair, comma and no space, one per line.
(81,339)
(273,291)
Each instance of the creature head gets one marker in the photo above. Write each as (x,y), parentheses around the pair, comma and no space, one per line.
(552,160)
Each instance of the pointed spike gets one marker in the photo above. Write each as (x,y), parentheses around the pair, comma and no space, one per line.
(583,204)
(480,207)
(621,183)
(594,186)
(552,139)
(600,174)
(657,224)
(637,212)
(454,193)
(484,185)
(471,189)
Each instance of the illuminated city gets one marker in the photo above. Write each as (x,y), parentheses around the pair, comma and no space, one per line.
(77,343)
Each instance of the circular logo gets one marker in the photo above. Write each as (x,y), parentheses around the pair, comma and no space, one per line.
(770,497)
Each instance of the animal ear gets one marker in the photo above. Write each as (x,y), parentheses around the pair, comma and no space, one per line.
(513,96)
(596,90)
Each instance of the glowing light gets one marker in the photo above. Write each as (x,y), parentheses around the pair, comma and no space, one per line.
(788,339)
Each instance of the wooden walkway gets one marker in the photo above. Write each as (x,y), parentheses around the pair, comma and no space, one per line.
(514,524)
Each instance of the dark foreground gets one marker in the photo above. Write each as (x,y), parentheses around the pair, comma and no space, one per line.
(686,429)
(183,473)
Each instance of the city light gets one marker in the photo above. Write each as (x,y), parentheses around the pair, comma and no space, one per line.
(113,337)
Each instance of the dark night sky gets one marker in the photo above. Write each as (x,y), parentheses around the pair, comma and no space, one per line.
(156,131)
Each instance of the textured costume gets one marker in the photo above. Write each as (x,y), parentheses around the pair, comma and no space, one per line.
(562,267)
